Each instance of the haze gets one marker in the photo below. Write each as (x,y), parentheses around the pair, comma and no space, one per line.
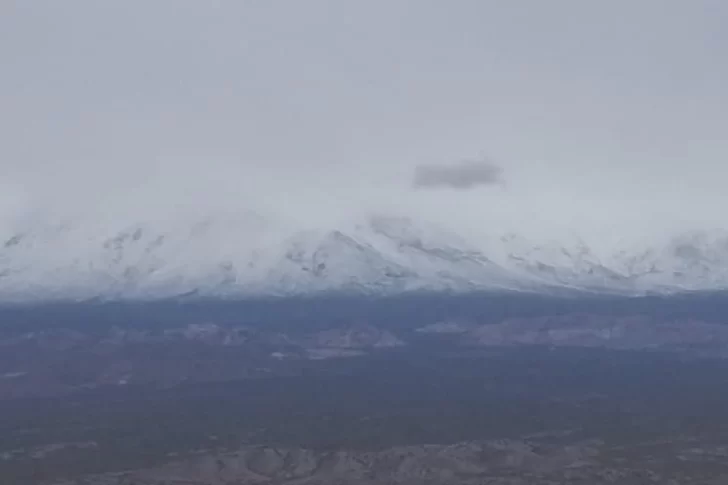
(596,114)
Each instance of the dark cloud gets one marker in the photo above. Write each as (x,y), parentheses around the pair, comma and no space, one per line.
(460,176)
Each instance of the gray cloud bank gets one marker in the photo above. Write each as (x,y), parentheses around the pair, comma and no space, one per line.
(322,110)
(460,176)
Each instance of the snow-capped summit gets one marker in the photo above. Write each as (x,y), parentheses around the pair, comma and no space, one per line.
(246,255)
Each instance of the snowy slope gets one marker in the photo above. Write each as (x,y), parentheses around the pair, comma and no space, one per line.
(239,255)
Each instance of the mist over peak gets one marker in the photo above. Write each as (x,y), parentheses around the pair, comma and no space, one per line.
(262,123)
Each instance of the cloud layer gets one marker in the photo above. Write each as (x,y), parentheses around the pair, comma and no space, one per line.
(459,176)
(323,110)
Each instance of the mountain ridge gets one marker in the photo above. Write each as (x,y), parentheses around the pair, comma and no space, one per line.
(248,256)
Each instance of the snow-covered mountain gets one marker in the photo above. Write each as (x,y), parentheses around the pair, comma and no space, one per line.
(245,255)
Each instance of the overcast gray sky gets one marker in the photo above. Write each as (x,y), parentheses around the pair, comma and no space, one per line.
(596,111)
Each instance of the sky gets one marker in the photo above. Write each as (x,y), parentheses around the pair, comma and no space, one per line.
(587,115)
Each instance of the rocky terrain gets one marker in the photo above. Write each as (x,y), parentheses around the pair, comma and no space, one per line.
(498,462)
(436,391)
(192,406)
(599,331)
(58,361)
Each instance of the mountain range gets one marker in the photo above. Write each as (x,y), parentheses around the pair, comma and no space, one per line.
(243,255)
